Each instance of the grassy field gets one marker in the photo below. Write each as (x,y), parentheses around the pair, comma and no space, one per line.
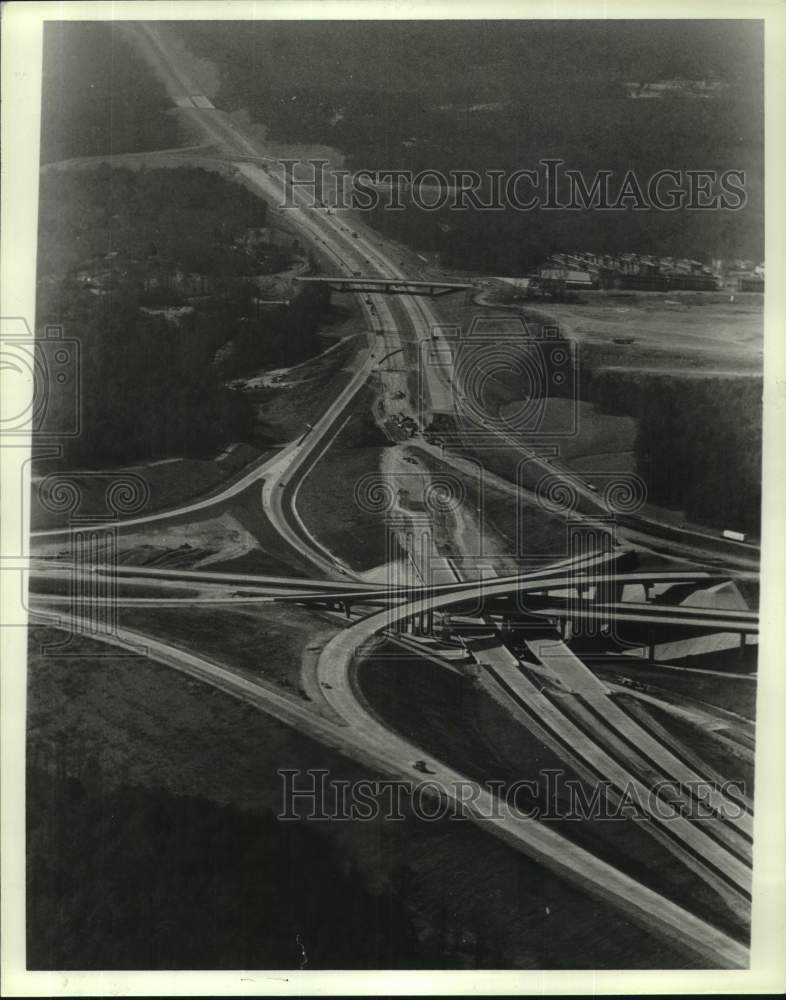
(600,438)
(167,484)
(722,757)
(456,721)
(327,499)
(282,413)
(264,641)
(130,750)
(727,693)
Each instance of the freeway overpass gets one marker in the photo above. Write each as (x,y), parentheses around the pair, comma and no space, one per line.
(374,740)
(359,285)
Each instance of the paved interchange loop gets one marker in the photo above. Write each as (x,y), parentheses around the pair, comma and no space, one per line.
(606,741)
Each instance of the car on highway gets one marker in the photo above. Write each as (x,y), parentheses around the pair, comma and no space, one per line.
(422,766)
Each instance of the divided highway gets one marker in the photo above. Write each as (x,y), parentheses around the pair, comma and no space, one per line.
(615,746)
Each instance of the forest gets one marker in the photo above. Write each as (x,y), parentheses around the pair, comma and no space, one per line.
(185,215)
(698,443)
(502,95)
(98,95)
(139,878)
(153,383)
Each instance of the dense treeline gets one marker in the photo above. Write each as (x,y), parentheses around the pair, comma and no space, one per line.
(118,248)
(98,96)
(142,879)
(398,96)
(149,388)
(187,215)
(698,443)
(276,337)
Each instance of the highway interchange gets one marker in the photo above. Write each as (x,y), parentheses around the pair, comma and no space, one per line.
(600,738)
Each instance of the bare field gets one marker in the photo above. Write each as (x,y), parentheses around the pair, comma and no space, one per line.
(230,534)
(684,331)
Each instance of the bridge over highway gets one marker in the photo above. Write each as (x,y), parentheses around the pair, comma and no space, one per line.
(388,286)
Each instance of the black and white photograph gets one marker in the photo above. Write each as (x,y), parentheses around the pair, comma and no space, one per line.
(386,429)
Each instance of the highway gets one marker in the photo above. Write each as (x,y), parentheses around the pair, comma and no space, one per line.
(369,741)
(679,617)
(335,673)
(337,659)
(353,251)
(607,741)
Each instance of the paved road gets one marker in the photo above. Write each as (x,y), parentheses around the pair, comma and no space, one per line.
(660,615)
(351,250)
(252,475)
(335,672)
(334,666)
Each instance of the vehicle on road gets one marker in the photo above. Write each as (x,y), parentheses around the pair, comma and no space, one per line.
(422,766)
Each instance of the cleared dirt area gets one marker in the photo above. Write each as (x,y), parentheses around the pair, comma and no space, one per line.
(233,534)
(693,331)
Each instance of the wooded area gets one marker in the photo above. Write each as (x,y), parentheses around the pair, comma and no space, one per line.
(142,879)
(98,95)
(152,273)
